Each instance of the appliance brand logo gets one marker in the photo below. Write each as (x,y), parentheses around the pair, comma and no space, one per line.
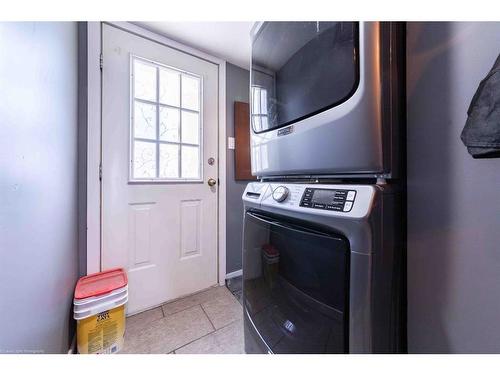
(285,131)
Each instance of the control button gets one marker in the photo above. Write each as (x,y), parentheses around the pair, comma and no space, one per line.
(350,195)
(347,206)
(280,193)
(307,194)
(305,204)
(334,207)
(319,205)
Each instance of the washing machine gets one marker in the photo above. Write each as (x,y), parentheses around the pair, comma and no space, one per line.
(321,268)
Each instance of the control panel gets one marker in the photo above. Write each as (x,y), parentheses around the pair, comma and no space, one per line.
(280,193)
(328,199)
(353,201)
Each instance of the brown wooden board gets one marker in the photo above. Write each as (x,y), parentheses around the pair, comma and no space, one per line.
(243,169)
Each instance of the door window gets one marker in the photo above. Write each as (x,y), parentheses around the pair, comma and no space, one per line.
(303,68)
(166,123)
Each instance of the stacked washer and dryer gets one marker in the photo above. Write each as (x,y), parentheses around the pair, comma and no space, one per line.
(323,247)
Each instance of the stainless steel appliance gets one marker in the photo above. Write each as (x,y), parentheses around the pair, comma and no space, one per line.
(323,247)
(321,268)
(326,99)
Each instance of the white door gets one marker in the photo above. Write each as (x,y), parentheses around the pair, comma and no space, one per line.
(159,130)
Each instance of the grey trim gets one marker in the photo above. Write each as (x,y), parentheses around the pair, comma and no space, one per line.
(82,146)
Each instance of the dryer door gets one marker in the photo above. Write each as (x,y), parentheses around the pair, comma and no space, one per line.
(300,69)
(295,286)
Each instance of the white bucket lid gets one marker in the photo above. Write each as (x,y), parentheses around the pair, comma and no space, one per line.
(94,309)
(101,298)
(78,308)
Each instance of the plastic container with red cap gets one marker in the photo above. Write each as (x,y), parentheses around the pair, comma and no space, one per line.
(99,309)
(100,283)
(270,263)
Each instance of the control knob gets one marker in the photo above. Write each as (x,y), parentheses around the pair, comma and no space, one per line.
(280,193)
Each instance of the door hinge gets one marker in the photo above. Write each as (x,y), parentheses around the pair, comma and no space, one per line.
(100,172)
(100,61)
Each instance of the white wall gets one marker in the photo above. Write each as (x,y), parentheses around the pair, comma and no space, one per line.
(38,185)
(453,200)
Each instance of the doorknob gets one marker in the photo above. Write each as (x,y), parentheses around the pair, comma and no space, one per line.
(211,182)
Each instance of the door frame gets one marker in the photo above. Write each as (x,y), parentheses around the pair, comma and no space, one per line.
(90,116)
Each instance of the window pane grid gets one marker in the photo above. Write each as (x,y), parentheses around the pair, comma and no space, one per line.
(162,105)
(177,111)
(167,142)
(259,108)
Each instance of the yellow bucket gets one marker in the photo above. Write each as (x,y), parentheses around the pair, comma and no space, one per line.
(99,311)
(102,333)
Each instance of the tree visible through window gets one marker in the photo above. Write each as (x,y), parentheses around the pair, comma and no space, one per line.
(166,123)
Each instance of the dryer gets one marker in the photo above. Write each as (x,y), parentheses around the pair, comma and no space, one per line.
(327,99)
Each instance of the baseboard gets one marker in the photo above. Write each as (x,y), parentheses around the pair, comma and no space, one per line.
(234,274)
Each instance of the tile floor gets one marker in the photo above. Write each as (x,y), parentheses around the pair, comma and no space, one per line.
(209,322)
